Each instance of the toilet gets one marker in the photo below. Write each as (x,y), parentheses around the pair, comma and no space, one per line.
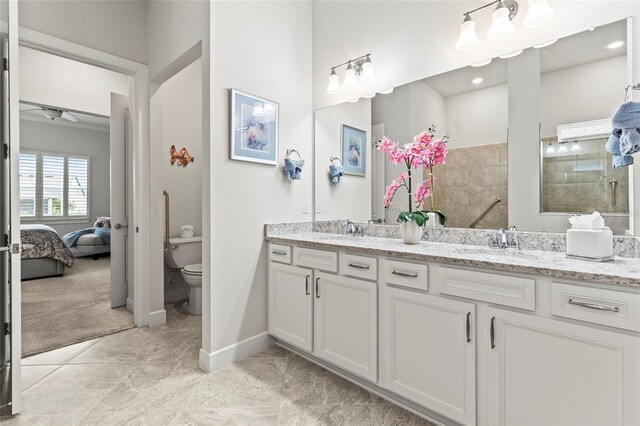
(186,254)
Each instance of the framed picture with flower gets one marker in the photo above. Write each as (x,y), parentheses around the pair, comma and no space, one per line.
(254,128)
(354,147)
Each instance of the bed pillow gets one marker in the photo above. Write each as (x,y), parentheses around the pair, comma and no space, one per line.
(103,222)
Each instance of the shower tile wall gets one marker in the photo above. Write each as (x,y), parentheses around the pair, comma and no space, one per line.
(582,182)
(470,181)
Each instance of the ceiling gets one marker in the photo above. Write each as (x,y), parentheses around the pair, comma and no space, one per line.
(578,49)
(86,120)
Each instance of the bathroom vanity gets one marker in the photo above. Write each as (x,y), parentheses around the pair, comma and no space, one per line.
(461,333)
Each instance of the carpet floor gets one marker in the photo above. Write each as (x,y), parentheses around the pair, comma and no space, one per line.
(61,311)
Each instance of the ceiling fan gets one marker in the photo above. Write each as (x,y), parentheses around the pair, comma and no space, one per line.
(55,114)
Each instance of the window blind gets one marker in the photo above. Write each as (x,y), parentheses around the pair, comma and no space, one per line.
(28,170)
(52,185)
(78,192)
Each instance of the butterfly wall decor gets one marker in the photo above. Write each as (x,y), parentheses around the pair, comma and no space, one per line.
(181,157)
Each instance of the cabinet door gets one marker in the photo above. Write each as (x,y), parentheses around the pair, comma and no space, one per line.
(291,304)
(429,354)
(346,324)
(547,372)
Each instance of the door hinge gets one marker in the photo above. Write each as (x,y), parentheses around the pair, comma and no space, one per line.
(5,240)
(7,328)
(5,64)
(5,150)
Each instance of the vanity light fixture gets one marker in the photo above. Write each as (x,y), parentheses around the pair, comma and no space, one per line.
(575,146)
(359,70)
(477,80)
(539,13)
(550,149)
(386,92)
(615,44)
(481,63)
(562,147)
(511,55)
(545,44)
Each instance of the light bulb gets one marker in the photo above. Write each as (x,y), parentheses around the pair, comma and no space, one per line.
(512,54)
(258,111)
(550,149)
(539,13)
(468,38)
(349,81)
(481,63)
(575,146)
(501,26)
(334,83)
(368,74)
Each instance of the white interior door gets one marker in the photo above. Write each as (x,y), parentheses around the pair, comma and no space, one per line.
(120,188)
(10,297)
(377,182)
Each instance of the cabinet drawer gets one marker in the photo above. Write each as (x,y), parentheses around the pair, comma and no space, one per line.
(498,289)
(316,259)
(359,266)
(600,306)
(406,274)
(278,253)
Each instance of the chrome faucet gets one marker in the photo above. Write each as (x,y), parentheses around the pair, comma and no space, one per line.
(504,240)
(501,239)
(355,229)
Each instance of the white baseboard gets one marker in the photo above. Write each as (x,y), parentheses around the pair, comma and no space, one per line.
(130,305)
(211,361)
(157,318)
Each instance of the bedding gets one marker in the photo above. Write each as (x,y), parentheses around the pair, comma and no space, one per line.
(42,241)
(71,239)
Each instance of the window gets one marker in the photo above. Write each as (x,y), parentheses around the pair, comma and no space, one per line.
(54,186)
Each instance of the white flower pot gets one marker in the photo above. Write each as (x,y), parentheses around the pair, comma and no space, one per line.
(410,233)
(434,220)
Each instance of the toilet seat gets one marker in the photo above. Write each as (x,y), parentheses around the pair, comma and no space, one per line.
(195,269)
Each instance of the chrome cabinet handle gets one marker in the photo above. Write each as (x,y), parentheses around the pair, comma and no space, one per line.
(358,266)
(594,306)
(493,332)
(404,274)
(468,327)
(317,290)
(306,285)
(279,252)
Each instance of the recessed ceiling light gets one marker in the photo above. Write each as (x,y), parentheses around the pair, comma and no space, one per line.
(477,80)
(372,95)
(482,63)
(511,55)
(545,44)
(386,92)
(615,44)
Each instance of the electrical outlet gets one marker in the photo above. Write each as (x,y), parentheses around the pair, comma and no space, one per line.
(305,206)
(318,209)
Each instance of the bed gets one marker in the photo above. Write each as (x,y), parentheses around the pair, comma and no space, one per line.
(43,254)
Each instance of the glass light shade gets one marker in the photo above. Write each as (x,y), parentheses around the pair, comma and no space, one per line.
(334,84)
(550,149)
(258,111)
(563,147)
(575,146)
(468,38)
(539,13)
(368,74)
(349,81)
(501,26)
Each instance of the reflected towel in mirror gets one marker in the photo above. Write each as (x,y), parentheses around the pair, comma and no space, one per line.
(613,147)
(293,168)
(335,172)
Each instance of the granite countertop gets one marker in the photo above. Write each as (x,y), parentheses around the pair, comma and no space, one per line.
(620,272)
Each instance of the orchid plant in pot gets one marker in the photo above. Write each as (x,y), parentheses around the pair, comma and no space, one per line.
(425,151)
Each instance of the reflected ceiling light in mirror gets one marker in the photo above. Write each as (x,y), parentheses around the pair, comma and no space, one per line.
(538,14)
(386,92)
(334,83)
(359,70)
(512,54)
(468,38)
(575,146)
(477,80)
(501,26)
(562,147)
(481,63)
(550,149)
(615,44)
(258,111)
(545,44)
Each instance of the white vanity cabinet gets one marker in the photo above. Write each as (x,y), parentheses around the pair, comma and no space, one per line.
(346,323)
(429,352)
(544,371)
(290,304)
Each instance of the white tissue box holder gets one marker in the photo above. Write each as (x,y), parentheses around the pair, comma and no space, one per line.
(595,245)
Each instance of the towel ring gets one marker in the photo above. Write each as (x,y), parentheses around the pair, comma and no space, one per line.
(291,151)
(332,159)
(628,90)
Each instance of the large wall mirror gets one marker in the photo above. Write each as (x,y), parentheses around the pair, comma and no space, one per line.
(526,135)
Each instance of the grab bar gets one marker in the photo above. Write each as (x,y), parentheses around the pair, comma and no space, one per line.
(166,220)
(484,213)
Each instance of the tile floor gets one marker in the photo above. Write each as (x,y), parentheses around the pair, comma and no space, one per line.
(149,376)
